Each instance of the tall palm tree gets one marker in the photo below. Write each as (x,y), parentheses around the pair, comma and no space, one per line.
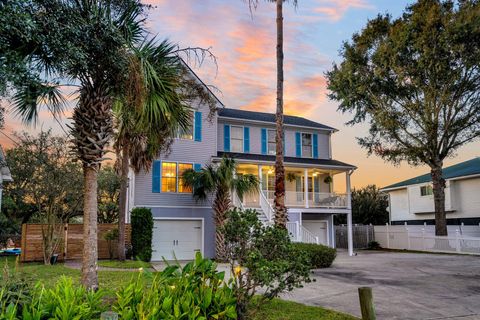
(86,42)
(148,115)
(281,215)
(221,180)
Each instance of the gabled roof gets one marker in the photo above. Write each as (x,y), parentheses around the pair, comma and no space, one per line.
(462,169)
(270,117)
(287,160)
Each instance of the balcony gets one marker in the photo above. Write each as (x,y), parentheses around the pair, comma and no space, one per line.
(294,199)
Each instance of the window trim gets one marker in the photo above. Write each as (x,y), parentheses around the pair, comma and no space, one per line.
(177,176)
(427,187)
(275,142)
(177,136)
(243,137)
(301,143)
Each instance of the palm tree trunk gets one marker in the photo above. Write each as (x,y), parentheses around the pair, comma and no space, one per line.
(123,201)
(439,199)
(221,205)
(90,253)
(280,209)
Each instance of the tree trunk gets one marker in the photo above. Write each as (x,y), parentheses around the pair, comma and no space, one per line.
(90,253)
(280,209)
(439,199)
(221,205)
(122,212)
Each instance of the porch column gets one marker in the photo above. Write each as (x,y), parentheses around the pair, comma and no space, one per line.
(306,188)
(349,215)
(260,176)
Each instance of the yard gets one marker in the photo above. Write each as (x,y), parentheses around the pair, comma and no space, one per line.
(112,280)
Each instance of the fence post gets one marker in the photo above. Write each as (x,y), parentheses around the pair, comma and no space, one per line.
(457,241)
(388,236)
(408,238)
(423,239)
(316,240)
(367,229)
(366,303)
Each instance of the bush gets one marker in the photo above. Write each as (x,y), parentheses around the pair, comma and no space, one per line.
(261,257)
(142,229)
(373,245)
(197,291)
(320,256)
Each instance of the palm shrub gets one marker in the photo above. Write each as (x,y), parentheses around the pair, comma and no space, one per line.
(320,256)
(196,291)
(261,257)
(142,230)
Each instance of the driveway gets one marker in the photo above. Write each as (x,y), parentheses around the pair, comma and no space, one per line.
(405,285)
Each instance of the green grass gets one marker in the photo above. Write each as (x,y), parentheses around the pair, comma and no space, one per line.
(128,264)
(113,280)
(286,310)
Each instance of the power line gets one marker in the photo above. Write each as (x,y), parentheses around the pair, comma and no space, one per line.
(8,137)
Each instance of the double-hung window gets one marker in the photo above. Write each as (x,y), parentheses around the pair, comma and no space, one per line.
(271,144)
(426,191)
(172,177)
(236,139)
(307,148)
(186,133)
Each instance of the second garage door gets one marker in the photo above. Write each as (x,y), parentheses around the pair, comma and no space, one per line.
(176,239)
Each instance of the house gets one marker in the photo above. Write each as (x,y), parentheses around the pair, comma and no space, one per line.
(411,200)
(183,226)
(5,175)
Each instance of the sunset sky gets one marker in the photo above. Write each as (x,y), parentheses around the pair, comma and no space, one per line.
(244,45)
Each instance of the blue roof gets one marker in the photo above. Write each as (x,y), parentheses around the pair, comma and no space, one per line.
(270,117)
(462,169)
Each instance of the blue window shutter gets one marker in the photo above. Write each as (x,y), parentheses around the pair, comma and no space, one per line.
(264,141)
(197,167)
(246,139)
(315,145)
(226,138)
(198,126)
(156,176)
(298,144)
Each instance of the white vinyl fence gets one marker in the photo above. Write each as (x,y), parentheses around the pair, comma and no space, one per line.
(460,239)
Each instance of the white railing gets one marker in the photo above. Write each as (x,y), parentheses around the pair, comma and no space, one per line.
(299,233)
(409,238)
(236,201)
(327,200)
(266,207)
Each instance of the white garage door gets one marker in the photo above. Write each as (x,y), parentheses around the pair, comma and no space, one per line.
(317,228)
(176,239)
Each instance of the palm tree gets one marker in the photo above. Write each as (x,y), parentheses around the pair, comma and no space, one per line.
(281,216)
(91,48)
(222,180)
(148,115)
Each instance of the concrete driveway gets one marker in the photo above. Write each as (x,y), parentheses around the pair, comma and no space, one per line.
(405,285)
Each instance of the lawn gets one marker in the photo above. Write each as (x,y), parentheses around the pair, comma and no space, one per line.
(127,264)
(112,280)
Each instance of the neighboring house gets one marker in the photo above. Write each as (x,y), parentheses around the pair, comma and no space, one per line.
(5,175)
(184,226)
(411,200)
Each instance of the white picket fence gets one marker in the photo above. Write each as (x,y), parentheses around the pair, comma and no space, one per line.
(460,239)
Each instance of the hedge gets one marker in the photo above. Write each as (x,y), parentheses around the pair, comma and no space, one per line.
(142,230)
(320,256)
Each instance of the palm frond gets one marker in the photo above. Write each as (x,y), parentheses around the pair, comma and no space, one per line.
(246,184)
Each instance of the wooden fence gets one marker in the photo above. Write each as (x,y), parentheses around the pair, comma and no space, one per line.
(71,246)
(362,236)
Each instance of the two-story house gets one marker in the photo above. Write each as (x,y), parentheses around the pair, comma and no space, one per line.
(411,201)
(183,226)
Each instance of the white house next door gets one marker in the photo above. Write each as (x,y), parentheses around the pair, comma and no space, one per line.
(176,239)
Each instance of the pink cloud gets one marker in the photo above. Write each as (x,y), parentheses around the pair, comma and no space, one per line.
(334,10)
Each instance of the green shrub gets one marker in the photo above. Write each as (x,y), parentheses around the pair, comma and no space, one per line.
(196,291)
(262,259)
(320,256)
(374,245)
(142,229)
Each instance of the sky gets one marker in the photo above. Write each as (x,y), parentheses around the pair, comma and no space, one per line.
(244,75)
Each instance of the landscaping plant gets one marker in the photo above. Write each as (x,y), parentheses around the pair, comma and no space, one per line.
(112,238)
(262,259)
(142,229)
(196,291)
(320,256)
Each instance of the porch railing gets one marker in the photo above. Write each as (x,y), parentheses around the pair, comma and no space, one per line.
(266,207)
(315,199)
(299,233)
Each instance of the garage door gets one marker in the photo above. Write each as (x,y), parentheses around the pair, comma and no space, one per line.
(317,228)
(176,239)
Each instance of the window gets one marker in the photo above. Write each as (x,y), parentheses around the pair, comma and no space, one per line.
(182,167)
(186,133)
(169,177)
(236,139)
(271,144)
(307,145)
(426,191)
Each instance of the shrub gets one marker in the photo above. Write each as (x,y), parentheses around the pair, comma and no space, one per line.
(320,256)
(261,257)
(373,245)
(197,291)
(112,239)
(142,229)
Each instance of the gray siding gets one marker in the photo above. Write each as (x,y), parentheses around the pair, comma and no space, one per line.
(206,214)
(256,142)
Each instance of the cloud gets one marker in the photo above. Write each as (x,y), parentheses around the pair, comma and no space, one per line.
(334,10)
